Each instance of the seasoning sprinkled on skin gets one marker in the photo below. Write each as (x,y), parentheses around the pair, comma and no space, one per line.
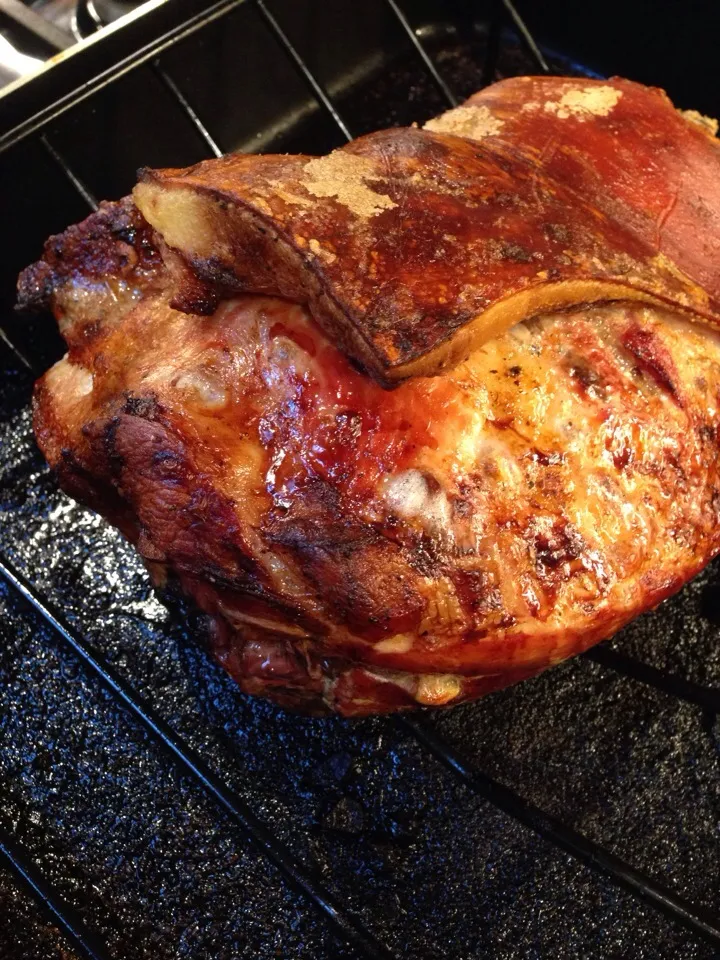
(466,121)
(582,104)
(345,178)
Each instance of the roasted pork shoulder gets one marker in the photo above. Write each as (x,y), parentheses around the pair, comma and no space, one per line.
(414,421)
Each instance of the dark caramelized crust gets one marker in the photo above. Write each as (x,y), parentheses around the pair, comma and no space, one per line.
(90,273)
(412,247)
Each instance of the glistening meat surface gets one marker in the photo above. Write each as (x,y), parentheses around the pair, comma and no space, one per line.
(363,549)
(535,273)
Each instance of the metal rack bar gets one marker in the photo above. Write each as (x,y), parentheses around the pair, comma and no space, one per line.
(89,66)
(423,54)
(70,174)
(694,918)
(316,88)
(302,68)
(526,36)
(89,21)
(707,698)
(205,135)
(301,879)
(15,350)
(83,943)
(304,71)
(58,40)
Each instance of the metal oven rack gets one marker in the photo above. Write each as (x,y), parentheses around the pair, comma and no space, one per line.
(576,815)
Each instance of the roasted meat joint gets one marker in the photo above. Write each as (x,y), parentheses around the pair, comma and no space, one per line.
(415,420)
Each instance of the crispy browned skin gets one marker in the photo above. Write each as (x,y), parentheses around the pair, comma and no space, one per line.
(363,550)
(412,247)
(621,146)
